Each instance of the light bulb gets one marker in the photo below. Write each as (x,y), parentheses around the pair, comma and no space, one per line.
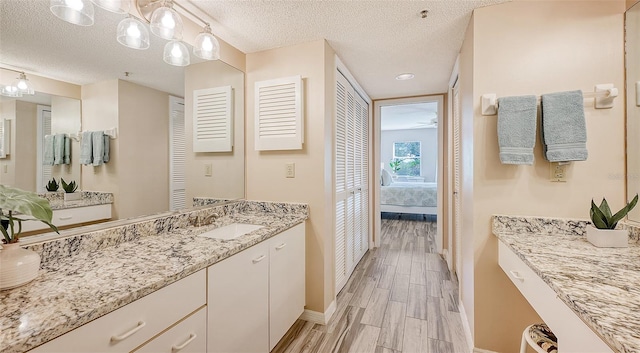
(133,34)
(74,4)
(133,30)
(22,85)
(167,20)
(207,44)
(175,52)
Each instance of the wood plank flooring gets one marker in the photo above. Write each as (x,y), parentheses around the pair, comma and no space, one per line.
(401,298)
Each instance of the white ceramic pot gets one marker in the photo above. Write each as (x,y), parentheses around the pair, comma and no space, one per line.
(72,196)
(608,238)
(18,266)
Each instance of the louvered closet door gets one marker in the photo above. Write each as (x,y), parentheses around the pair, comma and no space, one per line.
(178,155)
(364,157)
(46,130)
(357,178)
(341,182)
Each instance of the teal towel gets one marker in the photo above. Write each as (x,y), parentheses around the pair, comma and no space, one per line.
(86,148)
(67,150)
(48,150)
(98,147)
(564,130)
(517,129)
(105,154)
(58,149)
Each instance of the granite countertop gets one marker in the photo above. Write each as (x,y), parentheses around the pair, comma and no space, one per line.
(71,291)
(89,198)
(601,285)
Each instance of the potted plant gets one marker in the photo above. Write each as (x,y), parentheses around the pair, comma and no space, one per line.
(395,165)
(605,233)
(69,190)
(52,185)
(17,265)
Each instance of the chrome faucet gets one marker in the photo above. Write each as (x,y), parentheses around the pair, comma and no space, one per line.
(199,221)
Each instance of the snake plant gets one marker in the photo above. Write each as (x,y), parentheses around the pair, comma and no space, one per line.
(69,188)
(52,185)
(602,218)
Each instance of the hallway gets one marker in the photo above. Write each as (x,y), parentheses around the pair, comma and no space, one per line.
(400,298)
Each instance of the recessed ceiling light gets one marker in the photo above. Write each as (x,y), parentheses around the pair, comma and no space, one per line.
(406,76)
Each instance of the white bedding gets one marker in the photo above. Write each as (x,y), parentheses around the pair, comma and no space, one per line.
(409,194)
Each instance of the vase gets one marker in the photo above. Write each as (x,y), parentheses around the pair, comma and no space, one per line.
(608,238)
(72,196)
(18,266)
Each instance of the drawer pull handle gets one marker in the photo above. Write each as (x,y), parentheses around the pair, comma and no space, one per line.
(281,246)
(258,259)
(517,276)
(64,218)
(128,333)
(186,343)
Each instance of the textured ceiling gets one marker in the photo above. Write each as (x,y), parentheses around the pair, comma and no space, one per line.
(409,116)
(377,40)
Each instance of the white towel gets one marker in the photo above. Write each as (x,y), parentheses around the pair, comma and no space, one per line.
(86,148)
(98,148)
(48,150)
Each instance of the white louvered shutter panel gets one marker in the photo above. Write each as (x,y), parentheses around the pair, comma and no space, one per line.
(213,119)
(365,177)
(279,120)
(4,140)
(340,180)
(341,254)
(178,155)
(46,130)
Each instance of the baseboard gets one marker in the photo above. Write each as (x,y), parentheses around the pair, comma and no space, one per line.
(318,317)
(465,325)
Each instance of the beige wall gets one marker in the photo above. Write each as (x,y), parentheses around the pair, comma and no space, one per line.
(19,168)
(137,173)
(7,165)
(227,180)
(580,45)
(266,170)
(66,119)
(43,84)
(631,3)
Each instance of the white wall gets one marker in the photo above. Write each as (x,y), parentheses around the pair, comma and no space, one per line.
(429,148)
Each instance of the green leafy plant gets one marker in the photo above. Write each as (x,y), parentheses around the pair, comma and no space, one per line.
(28,206)
(52,185)
(69,188)
(395,165)
(602,218)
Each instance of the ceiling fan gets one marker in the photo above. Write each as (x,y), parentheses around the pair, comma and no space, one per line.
(428,124)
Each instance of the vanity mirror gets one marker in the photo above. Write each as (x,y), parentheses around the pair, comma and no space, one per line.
(632,60)
(133,91)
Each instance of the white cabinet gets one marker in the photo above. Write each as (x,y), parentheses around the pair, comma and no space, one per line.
(256,295)
(574,336)
(351,179)
(286,282)
(187,336)
(238,298)
(132,325)
(69,216)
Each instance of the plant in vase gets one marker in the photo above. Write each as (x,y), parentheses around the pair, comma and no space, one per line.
(69,190)
(605,233)
(395,165)
(17,265)
(52,185)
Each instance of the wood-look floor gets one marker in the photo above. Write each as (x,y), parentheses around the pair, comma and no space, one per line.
(400,298)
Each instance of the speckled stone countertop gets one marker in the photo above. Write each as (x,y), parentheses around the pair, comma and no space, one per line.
(601,285)
(84,277)
(89,198)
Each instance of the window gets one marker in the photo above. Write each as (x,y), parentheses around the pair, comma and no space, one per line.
(406,158)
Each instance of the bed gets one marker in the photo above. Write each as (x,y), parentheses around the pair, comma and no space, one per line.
(407,197)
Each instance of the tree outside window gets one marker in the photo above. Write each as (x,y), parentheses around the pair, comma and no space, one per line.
(406,158)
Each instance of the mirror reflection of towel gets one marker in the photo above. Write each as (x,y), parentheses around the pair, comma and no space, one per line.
(98,148)
(105,154)
(86,148)
(58,148)
(48,150)
(67,151)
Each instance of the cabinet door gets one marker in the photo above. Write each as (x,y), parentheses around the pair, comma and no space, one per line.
(187,336)
(286,287)
(238,302)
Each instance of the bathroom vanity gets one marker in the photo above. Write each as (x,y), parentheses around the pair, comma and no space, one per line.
(90,207)
(157,285)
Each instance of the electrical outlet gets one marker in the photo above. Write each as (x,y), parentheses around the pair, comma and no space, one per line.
(558,172)
(290,170)
(208,170)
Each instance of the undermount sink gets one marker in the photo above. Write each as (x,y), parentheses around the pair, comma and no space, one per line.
(230,231)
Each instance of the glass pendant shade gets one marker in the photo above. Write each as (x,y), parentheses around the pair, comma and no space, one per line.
(206,46)
(23,85)
(78,12)
(166,23)
(133,33)
(10,91)
(176,53)
(116,6)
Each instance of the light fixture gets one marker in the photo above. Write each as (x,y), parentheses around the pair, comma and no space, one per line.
(133,34)
(176,53)
(116,6)
(78,12)
(405,76)
(23,85)
(10,91)
(166,23)
(206,46)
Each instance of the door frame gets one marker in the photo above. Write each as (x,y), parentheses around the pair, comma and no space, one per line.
(377,108)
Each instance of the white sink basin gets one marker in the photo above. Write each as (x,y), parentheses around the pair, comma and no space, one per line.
(230,231)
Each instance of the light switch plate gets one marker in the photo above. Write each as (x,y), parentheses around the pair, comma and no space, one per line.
(558,172)
(208,170)
(290,170)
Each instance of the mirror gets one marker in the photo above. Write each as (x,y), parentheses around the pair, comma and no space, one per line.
(632,59)
(129,90)
(31,118)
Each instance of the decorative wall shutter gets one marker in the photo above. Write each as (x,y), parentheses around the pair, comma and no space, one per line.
(5,137)
(213,119)
(279,121)
(178,155)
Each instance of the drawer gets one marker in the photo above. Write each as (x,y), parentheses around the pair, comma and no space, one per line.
(187,336)
(574,336)
(132,325)
(70,216)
